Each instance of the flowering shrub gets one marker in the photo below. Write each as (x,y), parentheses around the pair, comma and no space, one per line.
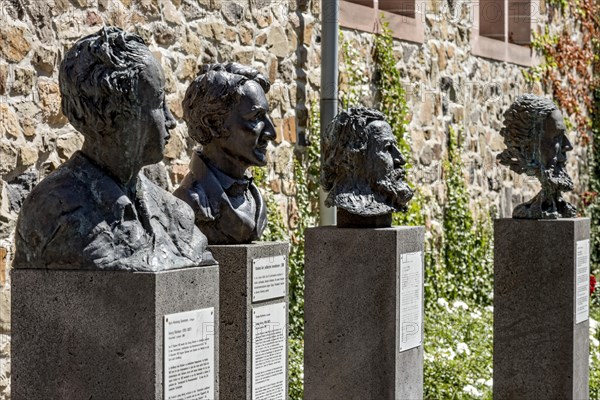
(458,350)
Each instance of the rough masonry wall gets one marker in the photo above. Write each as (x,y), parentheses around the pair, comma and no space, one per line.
(277,37)
(282,39)
(447,86)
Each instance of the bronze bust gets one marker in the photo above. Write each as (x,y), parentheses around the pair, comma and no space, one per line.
(226,111)
(363,169)
(536,145)
(97,211)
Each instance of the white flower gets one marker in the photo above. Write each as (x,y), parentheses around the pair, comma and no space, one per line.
(442,302)
(473,391)
(594,324)
(448,353)
(462,348)
(595,342)
(489,382)
(460,304)
(480,381)
(490,309)
(476,314)
(428,357)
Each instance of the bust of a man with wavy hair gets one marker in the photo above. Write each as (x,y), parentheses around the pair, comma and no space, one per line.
(227,112)
(97,211)
(536,145)
(363,168)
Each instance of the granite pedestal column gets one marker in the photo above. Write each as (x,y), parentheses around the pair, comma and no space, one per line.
(363,313)
(253,320)
(105,334)
(541,294)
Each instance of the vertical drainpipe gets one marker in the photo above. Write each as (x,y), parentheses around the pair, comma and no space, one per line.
(329,85)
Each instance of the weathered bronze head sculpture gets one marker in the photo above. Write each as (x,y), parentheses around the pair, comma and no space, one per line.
(226,111)
(363,169)
(96,211)
(536,145)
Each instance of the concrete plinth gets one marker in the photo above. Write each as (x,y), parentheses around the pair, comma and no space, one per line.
(351,305)
(237,306)
(540,352)
(80,334)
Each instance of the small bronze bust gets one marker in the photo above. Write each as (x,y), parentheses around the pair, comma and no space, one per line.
(536,145)
(226,111)
(363,169)
(97,211)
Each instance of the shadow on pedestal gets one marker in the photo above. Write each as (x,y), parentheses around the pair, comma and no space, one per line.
(352,300)
(99,334)
(540,351)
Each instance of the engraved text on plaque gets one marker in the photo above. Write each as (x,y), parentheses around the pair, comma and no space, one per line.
(189,355)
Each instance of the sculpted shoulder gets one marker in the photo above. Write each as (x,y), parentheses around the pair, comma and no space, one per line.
(195,196)
(57,201)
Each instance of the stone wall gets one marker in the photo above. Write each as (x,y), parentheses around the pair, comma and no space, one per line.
(446,84)
(277,37)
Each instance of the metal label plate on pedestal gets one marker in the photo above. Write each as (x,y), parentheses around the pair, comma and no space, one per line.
(582,281)
(268,278)
(410,318)
(269,352)
(189,355)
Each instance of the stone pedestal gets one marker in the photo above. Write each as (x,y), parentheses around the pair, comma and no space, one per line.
(354,341)
(81,334)
(253,286)
(541,349)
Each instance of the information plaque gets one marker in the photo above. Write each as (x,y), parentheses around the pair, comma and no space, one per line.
(582,281)
(268,278)
(189,355)
(269,352)
(411,300)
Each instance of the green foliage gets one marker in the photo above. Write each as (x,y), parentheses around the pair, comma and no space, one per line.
(593,211)
(392,96)
(296,369)
(467,244)
(458,351)
(392,103)
(458,294)
(276,229)
(306,176)
(306,167)
(355,81)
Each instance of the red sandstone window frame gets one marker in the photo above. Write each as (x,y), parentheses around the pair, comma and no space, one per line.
(356,14)
(493,38)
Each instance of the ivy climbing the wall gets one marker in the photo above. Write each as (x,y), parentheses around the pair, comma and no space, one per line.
(458,293)
(306,169)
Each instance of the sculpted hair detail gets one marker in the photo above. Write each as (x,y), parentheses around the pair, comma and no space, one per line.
(211,95)
(344,139)
(523,125)
(99,79)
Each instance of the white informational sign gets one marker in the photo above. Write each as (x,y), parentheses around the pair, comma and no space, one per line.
(582,281)
(411,300)
(269,352)
(268,278)
(189,353)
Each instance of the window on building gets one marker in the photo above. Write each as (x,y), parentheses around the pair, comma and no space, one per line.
(403,16)
(502,30)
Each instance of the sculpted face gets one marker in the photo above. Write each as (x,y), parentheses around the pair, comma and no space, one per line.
(248,128)
(538,150)
(385,164)
(554,146)
(149,133)
(554,143)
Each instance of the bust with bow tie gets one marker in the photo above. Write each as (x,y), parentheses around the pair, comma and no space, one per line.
(226,111)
